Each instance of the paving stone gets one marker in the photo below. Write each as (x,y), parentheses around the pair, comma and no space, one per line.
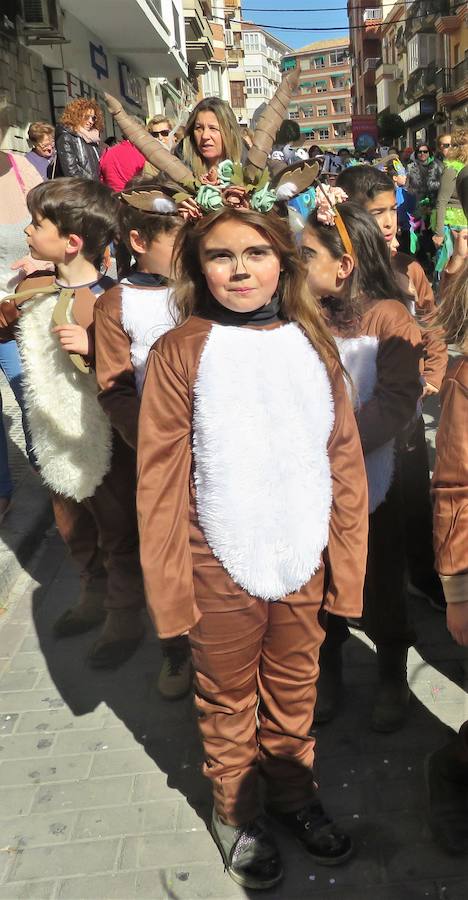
(84,858)
(83,794)
(8,722)
(21,701)
(16,801)
(52,769)
(59,720)
(25,831)
(34,660)
(191,882)
(167,850)
(109,886)
(126,820)
(96,740)
(24,890)
(17,746)
(11,637)
(120,762)
(188,819)
(30,643)
(18,681)
(152,787)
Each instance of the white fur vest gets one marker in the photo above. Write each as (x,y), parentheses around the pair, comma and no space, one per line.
(71,434)
(359,357)
(146,316)
(262,419)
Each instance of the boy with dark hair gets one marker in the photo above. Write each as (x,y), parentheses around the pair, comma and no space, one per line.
(129,318)
(81,461)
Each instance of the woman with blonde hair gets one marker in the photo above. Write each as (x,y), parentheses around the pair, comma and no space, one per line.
(211,135)
(448,215)
(77,140)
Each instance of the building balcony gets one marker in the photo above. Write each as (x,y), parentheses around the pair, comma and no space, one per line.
(371,63)
(234,56)
(198,35)
(135,33)
(453,20)
(423,15)
(372,21)
(388,72)
(452,84)
(371,109)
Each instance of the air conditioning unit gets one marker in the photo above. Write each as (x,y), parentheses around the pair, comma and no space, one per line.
(41,21)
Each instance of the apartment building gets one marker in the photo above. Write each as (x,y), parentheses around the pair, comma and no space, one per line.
(321,103)
(451,77)
(263,54)
(366,52)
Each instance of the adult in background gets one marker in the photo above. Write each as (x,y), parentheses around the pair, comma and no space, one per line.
(212,134)
(17,177)
(77,140)
(42,140)
(122,162)
(449,213)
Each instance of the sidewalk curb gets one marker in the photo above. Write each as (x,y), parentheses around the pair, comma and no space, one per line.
(21,532)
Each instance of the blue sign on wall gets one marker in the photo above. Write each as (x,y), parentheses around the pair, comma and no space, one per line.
(99,60)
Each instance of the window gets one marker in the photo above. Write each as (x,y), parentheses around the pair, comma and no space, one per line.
(255,87)
(338,84)
(321,87)
(339,106)
(308,111)
(319,62)
(293,113)
(306,87)
(337,57)
(304,64)
(324,134)
(237,94)
(251,42)
(322,111)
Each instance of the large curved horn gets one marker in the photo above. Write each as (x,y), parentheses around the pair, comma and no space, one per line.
(154,152)
(268,125)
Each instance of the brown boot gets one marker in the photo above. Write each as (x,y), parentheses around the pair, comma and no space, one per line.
(121,634)
(88,612)
(391,705)
(446,773)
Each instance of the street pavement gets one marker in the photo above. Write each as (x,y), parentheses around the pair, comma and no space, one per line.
(101,795)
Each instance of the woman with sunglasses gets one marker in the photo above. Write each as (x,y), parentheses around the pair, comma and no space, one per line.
(423,180)
(77,140)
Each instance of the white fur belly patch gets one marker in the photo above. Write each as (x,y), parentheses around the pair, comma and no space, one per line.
(146,316)
(263,415)
(71,434)
(359,357)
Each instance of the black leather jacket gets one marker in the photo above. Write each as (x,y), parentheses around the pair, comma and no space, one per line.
(74,156)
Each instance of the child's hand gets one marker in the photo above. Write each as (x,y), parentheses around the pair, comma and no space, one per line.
(73,338)
(457,622)
(438,240)
(27,265)
(429,390)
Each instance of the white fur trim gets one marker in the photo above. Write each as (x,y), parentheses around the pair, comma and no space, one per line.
(71,434)
(286,191)
(262,418)
(146,316)
(164,205)
(359,357)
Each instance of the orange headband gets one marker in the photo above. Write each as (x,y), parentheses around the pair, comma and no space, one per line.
(343,233)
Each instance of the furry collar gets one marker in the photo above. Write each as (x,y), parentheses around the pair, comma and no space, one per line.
(71,434)
(146,316)
(262,418)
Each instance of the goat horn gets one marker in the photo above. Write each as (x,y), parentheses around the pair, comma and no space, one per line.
(268,125)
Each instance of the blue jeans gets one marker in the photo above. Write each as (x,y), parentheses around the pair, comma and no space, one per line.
(10,364)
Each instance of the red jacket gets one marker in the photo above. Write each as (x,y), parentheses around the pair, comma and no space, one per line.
(119,164)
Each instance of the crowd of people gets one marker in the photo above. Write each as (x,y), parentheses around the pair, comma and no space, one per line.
(232,434)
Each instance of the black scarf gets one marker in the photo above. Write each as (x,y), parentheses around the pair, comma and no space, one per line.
(264,315)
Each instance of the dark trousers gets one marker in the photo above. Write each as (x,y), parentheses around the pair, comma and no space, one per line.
(101,532)
(417,506)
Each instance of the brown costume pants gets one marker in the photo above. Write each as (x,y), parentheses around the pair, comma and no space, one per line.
(101,532)
(256,666)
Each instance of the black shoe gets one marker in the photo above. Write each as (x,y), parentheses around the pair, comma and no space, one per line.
(430,589)
(391,706)
(73,621)
(250,856)
(112,654)
(327,845)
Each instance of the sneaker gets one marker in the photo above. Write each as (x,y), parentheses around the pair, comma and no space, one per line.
(175,677)
(430,589)
(250,855)
(327,844)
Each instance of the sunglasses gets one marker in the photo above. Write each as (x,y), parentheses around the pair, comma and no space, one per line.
(423,152)
(164,133)
(445,145)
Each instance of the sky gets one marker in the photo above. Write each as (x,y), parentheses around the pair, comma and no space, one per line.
(305,21)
